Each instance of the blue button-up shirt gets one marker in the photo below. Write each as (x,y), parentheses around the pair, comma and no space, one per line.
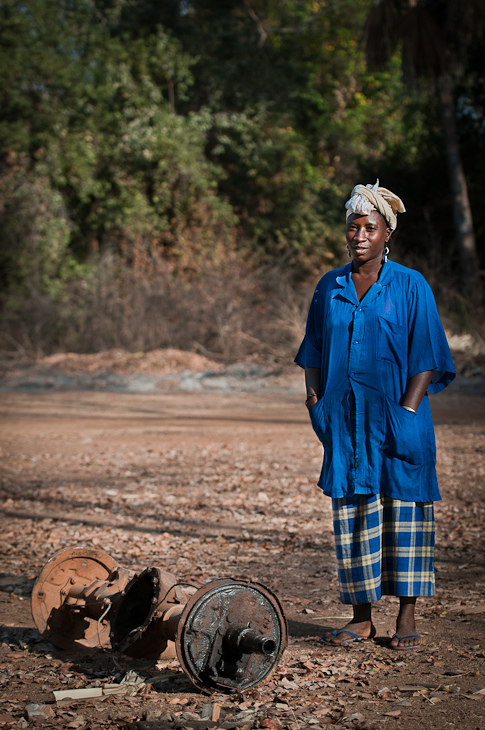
(367,351)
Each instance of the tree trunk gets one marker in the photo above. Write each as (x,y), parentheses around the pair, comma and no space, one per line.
(461,205)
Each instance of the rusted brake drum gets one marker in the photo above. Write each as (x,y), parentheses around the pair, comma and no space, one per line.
(231,635)
(228,635)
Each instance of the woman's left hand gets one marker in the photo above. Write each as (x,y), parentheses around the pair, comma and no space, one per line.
(311,400)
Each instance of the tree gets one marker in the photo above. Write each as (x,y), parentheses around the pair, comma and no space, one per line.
(295,111)
(434,35)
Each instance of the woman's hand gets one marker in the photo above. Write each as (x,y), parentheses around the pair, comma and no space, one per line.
(312,382)
(311,400)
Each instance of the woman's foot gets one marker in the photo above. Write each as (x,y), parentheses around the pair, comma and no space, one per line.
(405,636)
(353,631)
(403,642)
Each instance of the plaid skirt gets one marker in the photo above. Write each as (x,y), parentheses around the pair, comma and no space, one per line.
(384,547)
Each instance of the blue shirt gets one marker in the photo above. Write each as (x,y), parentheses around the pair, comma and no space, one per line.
(367,351)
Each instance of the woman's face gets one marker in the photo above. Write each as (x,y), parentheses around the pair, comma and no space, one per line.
(367,236)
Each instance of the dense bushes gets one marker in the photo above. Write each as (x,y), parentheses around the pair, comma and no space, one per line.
(173,174)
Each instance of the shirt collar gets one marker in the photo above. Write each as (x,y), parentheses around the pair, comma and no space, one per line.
(348,289)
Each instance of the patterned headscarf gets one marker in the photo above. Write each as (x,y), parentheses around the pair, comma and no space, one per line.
(366,198)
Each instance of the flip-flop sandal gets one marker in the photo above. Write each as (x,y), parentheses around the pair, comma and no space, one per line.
(406,636)
(353,637)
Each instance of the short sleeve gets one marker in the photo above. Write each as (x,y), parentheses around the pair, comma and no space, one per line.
(309,354)
(428,348)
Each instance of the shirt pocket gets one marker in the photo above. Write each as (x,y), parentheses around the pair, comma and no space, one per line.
(391,342)
(317,417)
(402,438)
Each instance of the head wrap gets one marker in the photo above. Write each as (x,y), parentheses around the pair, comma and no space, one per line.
(366,198)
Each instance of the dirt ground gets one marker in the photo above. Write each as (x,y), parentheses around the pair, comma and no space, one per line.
(222,481)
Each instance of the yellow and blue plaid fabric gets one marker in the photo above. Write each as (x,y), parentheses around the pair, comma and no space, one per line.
(384,546)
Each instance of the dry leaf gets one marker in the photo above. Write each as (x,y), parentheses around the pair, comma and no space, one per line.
(479,608)
(6,718)
(210,712)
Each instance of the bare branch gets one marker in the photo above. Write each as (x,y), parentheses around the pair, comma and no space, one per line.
(261,29)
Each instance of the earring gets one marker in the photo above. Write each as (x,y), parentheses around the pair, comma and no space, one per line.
(386,251)
(348,251)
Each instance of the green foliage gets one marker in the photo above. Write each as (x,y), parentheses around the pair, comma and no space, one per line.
(35,232)
(175,136)
(275,186)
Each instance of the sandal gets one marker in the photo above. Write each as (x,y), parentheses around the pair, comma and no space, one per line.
(353,637)
(406,636)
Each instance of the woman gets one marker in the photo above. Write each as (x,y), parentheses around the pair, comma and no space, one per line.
(374,347)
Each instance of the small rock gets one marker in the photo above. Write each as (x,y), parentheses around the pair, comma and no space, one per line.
(43,711)
(154,715)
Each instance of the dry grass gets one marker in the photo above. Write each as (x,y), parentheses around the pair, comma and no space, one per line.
(226,311)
